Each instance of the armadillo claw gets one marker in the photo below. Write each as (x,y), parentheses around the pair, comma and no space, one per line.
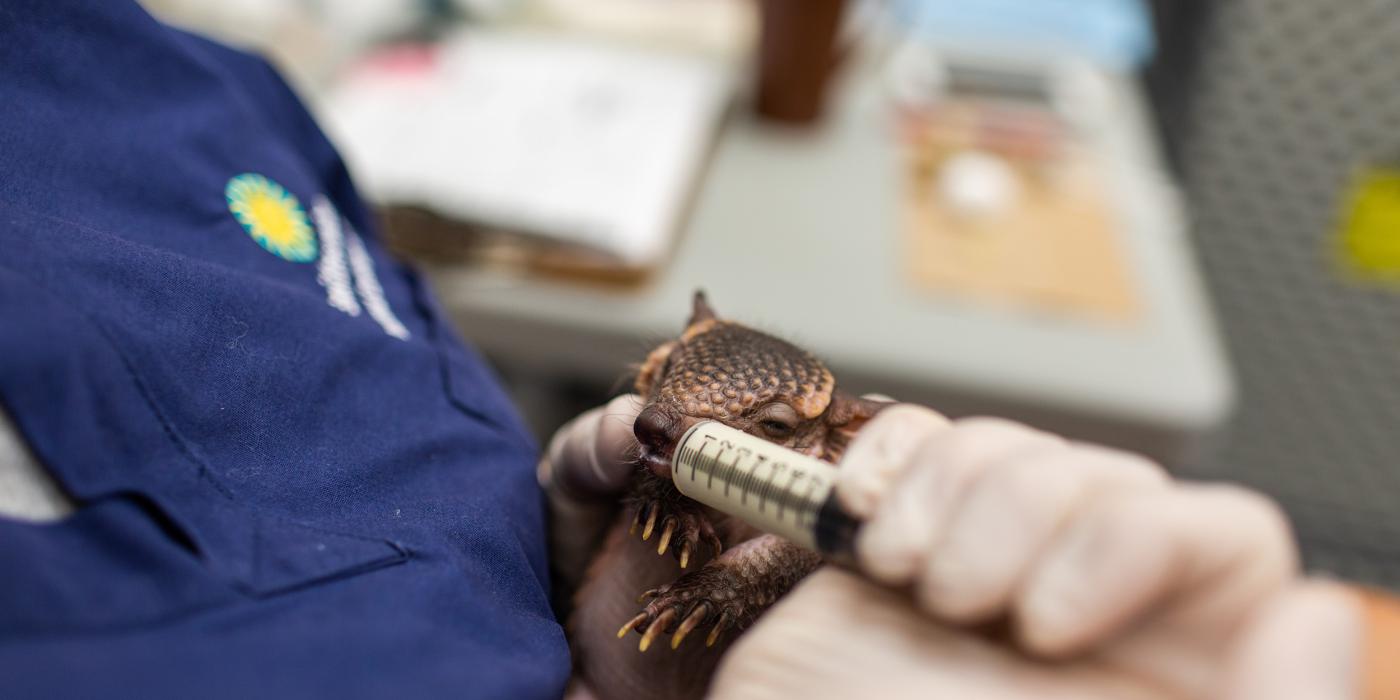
(698,599)
(717,630)
(696,616)
(666,533)
(641,617)
(651,524)
(681,528)
(657,626)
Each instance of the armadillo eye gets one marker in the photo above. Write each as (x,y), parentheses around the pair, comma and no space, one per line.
(776,429)
(777,420)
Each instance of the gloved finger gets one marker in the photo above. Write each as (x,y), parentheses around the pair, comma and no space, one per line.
(895,541)
(1012,509)
(1307,643)
(837,635)
(879,453)
(592,455)
(1124,553)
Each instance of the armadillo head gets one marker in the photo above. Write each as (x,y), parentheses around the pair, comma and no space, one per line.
(720,370)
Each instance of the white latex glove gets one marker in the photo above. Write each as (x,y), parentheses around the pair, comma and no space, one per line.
(1102,578)
(583,471)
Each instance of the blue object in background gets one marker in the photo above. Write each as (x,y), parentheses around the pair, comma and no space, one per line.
(291,480)
(1114,33)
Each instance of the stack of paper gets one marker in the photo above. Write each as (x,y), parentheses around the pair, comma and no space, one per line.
(538,133)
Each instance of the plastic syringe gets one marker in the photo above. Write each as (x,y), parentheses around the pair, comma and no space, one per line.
(771,487)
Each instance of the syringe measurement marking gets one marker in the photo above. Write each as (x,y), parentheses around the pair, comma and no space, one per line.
(746,482)
(765,490)
(756,485)
(709,464)
(778,469)
(739,478)
(792,477)
(715,464)
(751,481)
(711,483)
(810,511)
(693,455)
(712,460)
(775,491)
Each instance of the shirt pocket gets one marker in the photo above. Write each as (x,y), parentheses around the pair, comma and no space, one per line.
(126,560)
(156,535)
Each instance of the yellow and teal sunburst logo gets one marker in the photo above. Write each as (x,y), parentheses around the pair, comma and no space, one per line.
(272,216)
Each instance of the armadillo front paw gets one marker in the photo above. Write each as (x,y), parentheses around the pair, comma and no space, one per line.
(705,597)
(681,524)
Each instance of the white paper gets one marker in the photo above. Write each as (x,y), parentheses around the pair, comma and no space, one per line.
(584,142)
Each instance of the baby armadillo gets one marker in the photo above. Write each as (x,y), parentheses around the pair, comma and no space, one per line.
(721,573)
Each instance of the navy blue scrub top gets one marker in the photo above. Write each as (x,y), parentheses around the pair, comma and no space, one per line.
(292,480)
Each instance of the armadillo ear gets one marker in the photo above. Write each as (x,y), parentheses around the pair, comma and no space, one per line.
(700,309)
(844,417)
(652,368)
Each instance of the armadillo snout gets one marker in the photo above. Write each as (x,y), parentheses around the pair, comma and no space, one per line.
(657,429)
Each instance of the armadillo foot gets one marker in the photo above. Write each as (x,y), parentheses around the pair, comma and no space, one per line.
(704,597)
(683,529)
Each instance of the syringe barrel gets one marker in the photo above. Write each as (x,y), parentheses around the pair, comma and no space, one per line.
(773,488)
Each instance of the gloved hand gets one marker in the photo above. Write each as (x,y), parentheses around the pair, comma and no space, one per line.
(583,471)
(1136,586)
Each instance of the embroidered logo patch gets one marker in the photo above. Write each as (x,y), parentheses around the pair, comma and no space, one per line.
(272,216)
(346,270)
